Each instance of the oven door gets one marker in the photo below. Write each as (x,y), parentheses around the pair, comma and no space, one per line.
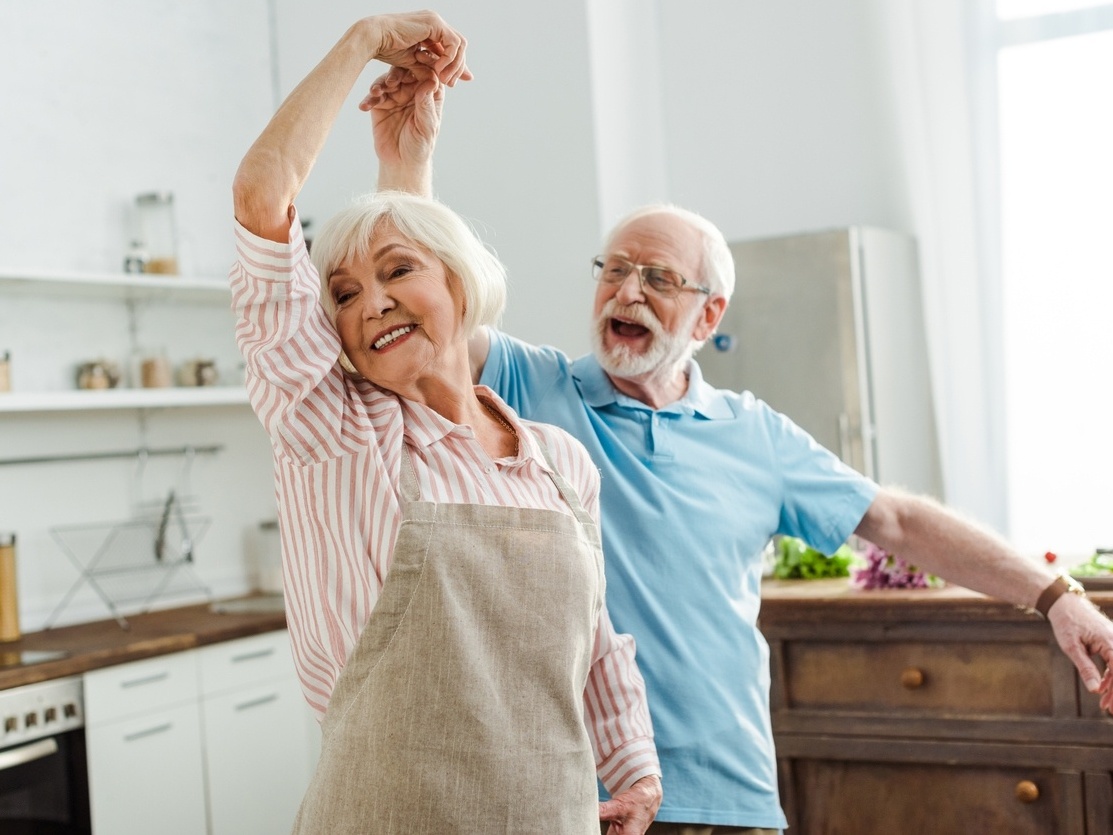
(44,786)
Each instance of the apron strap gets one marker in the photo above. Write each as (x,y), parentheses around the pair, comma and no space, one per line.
(410,491)
(566,492)
(408,487)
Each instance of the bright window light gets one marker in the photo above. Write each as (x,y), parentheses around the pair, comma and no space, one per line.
(1056,147)
(1012,9)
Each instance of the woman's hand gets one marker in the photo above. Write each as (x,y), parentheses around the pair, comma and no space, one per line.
(405,107)
(421,39)
(632,811)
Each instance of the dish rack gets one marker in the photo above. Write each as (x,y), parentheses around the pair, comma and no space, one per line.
(135,562)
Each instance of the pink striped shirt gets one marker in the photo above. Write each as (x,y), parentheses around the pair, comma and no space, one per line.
(338,446)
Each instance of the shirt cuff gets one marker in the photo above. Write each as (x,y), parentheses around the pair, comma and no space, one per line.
(629,763)
(264,259)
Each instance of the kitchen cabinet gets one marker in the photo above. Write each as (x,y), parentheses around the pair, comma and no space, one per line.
(134,312)
(143,744)
(934,711)
(211,741)
(257,736)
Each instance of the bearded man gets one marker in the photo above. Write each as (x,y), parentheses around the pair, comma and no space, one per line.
(695,483)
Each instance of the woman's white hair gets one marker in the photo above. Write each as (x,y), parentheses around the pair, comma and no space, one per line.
(717,263)
(429,224)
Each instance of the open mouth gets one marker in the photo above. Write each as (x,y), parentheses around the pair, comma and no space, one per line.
(391,337)
(629,330)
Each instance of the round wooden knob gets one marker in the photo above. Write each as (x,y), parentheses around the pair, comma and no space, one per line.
(911,678)
(1027,791)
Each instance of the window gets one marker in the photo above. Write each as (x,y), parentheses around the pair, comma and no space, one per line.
(1054,210)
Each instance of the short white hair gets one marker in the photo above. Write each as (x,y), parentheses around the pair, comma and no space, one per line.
(716,262)
(428,223)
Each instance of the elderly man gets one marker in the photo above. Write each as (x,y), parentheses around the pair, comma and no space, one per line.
(696,481)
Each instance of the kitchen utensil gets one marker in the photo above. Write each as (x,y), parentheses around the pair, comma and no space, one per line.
(9,600)
(98,374)
(198,372)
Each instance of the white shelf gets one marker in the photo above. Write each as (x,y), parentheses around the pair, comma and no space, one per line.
(121,285)
(72,401)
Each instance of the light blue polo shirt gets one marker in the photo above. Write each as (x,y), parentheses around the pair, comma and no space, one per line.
(691,495)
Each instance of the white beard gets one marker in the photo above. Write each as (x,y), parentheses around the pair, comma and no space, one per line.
(667,351)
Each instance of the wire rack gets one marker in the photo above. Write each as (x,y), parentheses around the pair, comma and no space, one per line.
(136,562)
(133,563)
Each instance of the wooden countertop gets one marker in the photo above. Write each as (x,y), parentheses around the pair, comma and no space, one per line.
(90,646)
(785,601)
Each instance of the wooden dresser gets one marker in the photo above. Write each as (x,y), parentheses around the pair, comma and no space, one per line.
(930,711)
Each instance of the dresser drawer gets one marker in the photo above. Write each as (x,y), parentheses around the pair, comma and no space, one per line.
(947,677)
(863,798)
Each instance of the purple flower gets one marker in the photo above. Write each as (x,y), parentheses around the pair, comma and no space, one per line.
(883,570)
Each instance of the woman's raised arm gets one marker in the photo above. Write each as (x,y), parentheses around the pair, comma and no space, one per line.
(276,166)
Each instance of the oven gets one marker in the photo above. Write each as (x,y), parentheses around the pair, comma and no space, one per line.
(44,783)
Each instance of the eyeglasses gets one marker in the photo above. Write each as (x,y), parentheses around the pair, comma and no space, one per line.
(610,269)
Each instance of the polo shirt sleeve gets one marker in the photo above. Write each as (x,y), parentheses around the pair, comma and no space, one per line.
(823,498)
(522,374)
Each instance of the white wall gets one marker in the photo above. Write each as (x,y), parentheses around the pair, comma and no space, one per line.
(104,100)
(778,116)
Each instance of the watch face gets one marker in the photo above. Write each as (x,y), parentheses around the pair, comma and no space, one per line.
(1073,585)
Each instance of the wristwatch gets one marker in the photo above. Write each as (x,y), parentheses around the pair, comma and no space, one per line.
(1062,584)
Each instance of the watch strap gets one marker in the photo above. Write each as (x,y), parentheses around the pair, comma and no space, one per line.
(1058,587)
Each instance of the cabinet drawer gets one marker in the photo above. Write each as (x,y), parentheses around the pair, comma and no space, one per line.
(139,687)
(956,678)
(245,661)
(862,798)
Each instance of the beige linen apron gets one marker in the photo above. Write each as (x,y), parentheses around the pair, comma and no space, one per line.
(460,710)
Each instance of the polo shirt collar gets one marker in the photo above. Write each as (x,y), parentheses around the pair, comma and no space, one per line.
(598,391)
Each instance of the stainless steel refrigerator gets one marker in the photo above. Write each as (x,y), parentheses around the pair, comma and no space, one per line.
(828,328)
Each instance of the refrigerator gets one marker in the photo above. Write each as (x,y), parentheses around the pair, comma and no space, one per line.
(827,327)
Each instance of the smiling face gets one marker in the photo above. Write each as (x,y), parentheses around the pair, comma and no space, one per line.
(642,336)
(398,313)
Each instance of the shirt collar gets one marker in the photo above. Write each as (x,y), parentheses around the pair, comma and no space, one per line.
(598,391)
(424,427)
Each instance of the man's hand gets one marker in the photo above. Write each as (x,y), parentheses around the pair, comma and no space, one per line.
(632,811)
(1083,632)
(405,107)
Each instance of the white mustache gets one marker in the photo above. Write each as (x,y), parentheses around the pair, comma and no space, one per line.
(639,314)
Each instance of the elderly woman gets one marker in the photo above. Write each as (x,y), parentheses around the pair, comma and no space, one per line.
(442,565)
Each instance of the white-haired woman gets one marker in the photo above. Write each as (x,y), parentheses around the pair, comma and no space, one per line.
(441,560)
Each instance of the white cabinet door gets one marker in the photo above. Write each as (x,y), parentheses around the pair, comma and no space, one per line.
(143,741)
(255,747)
(146,774)
(217,740)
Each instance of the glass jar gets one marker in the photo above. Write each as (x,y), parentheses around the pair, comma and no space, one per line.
(157,231)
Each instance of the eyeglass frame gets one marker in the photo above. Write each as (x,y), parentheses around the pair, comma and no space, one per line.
(599,262)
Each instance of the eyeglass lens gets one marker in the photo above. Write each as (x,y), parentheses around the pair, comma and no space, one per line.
(659,279)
